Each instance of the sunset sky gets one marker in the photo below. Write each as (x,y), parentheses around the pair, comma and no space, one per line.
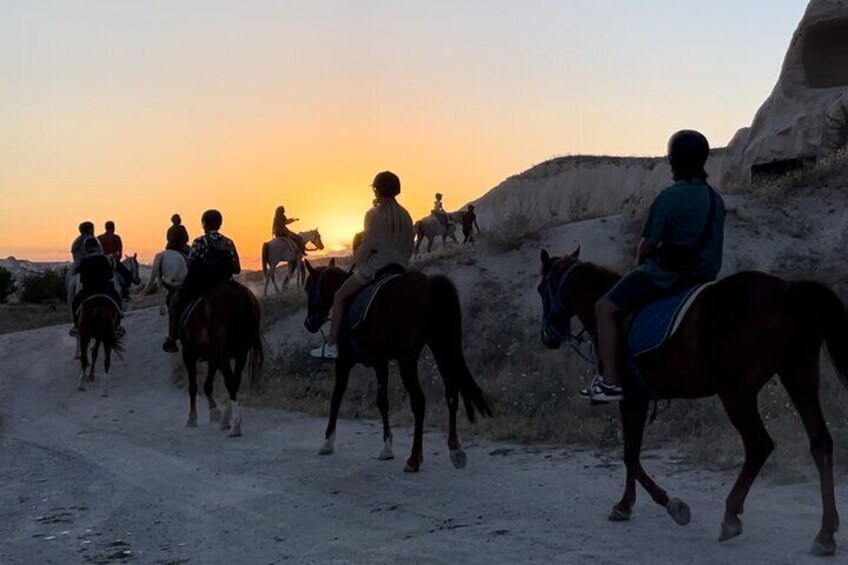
(134,110)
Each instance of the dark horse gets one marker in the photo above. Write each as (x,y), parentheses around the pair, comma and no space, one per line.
(737,335)
(99,318)
(222,326)
(408,313)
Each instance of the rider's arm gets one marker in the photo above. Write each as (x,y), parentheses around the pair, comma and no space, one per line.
(366,247)
(476,226)
(643,251)
(120,252)
(236,262)
(291,220)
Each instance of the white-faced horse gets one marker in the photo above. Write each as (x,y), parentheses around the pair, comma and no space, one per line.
(168,271)
(284,249)
(431,228)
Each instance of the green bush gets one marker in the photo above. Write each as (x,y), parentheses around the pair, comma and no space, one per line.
(44,288)
(7,284)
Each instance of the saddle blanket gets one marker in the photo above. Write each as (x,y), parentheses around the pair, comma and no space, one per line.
(654,324)
(361,304)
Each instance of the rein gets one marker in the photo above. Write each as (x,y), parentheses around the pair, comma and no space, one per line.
(557,306)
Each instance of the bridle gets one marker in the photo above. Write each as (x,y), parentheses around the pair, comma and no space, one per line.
(556,307)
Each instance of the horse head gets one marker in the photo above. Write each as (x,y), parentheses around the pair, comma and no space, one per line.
(321,286)
(131,264)
(316,240)
(556,310)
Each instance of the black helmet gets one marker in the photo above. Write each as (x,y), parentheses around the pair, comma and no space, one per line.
(212,219)
(175,219)
(386,184)
(687,153)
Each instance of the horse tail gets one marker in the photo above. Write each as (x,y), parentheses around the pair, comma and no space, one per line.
(104,327)
(255,341)
(265,258)
(155,274)
(445,341)
(819,312)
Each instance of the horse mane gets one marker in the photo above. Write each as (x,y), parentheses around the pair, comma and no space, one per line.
(602,274)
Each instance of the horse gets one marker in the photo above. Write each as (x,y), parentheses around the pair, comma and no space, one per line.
(410,312)
(283,249)
(99,317)
(431,228)
(126,274)
(168,270)
(738,334)
(221,326)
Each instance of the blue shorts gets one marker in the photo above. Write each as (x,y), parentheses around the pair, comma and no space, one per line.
(634,291)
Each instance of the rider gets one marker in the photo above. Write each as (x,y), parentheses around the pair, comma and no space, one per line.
(681,245)
(439,211)
(469,221)
(111,242)
(388,239)
(177,236)
(213,259)
(86,230)
(280,228)
(96,277)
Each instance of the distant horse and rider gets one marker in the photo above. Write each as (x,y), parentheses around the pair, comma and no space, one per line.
(282,249)
(403,312)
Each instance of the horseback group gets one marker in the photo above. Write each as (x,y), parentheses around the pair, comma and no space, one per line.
(443,224)
(725,338)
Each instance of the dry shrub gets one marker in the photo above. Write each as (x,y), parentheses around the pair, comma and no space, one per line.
(512,233)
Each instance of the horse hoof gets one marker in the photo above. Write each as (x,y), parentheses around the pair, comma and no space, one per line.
(679,511)
(326,449)
(235,432)
(730,529)
(824,545)
(386,455)
(412,466)
(619,515)
(214,416)
(191,423)
(458,458)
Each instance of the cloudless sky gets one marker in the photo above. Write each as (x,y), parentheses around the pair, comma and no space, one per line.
(134,110)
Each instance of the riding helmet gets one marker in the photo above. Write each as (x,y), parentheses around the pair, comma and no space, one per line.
(688,151)
(386,184)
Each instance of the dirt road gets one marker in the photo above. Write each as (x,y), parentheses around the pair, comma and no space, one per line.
(87,479)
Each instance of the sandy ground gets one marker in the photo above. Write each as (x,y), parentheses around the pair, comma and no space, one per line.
(87,479)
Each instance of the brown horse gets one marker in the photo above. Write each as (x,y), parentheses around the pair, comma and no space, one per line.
(99,318)
(737,335)
(222,327)
(410,312)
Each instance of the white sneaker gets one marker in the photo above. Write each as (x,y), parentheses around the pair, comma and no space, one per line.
(324,352)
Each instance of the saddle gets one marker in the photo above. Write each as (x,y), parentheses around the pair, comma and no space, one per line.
(361,303)
(652,326)
(78,309)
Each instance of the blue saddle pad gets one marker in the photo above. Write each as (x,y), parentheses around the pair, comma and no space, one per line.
(358,310)
(654,323)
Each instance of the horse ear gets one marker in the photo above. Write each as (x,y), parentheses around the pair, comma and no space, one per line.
(309,266)
(576,253)
(546,261)
(135,256)
(332,262)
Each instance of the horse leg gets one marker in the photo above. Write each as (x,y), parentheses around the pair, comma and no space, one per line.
(457,455)
(94,352)
(107,364)
(343,367)
(382,370)
(232,379)
(208,391)
(82,344)
(803,388)
(409,375)
(429,244)
(190,361)
(741,408)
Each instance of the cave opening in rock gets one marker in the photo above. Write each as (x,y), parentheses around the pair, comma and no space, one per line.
(825,54)
(779,168)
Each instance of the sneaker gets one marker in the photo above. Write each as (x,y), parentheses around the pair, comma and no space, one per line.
(170,346)
(330,351)
(601,391)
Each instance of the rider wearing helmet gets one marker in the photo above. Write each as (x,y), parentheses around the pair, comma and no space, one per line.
(213,259)
(177,236)
(280,228)
(388,240)
(681,245)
